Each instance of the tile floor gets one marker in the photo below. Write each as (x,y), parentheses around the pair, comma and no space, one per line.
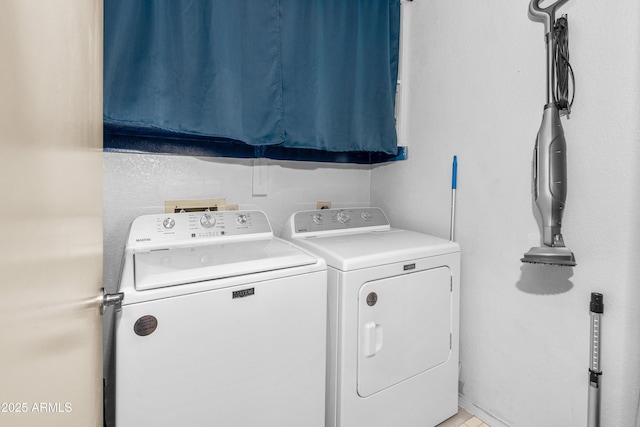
(463,419)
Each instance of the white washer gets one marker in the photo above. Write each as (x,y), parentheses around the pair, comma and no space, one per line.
(393,318)
(222,324)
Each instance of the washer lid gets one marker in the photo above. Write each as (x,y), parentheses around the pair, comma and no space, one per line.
(172,266)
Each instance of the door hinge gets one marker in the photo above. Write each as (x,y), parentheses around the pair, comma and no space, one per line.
(110,299)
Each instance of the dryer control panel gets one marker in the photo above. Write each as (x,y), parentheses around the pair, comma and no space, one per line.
(325,221)
(194,227)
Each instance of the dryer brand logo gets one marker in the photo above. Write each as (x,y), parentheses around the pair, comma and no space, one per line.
(409,267)
(372,299)
(243,293)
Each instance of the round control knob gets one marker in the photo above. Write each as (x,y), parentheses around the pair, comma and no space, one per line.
(242,219)
(207,220)
(317,218)
(366,215)
(169,223)
(343,217)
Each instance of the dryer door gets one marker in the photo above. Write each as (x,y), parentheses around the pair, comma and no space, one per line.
(404,327)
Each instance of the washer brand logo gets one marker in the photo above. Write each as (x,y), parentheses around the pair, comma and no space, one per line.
(144,239)
(146,325)
(243,293)
(409,267)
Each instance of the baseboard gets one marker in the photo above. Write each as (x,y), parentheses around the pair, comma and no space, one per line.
(481,413)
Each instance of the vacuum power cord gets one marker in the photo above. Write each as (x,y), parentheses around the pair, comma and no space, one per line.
(565,80)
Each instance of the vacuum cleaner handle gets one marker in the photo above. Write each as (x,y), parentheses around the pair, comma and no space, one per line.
(545,15)
(550,175)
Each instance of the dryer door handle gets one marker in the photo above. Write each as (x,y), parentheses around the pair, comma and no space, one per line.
(372,338)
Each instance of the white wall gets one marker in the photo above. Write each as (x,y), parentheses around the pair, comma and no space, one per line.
(475,87)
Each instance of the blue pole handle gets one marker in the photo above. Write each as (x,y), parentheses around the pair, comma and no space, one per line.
(454,174)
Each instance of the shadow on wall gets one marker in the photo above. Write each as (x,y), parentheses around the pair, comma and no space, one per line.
(545,279)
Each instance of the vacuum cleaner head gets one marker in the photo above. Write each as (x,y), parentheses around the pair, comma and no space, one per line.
(550,255)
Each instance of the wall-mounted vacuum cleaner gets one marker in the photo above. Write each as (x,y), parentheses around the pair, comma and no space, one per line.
(549,156)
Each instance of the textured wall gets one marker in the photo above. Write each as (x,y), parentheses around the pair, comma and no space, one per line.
(474,85)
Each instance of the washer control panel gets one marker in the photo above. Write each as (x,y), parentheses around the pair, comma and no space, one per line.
(175,228)
(334,220)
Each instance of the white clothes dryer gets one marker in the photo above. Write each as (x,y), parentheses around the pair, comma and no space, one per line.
(222,324)
(393,301)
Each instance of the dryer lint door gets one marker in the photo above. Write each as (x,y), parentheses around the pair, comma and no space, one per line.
(404,327)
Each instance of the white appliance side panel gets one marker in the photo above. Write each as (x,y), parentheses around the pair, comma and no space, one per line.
(404,328)
(215,360)
(333,343)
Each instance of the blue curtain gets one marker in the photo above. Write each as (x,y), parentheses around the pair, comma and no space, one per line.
(288,74)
